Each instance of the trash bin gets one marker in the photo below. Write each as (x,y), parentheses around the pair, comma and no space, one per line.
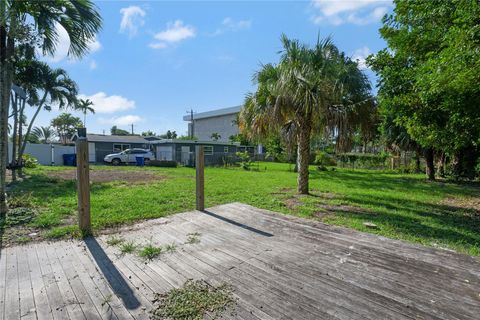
(70,159)
(140,161)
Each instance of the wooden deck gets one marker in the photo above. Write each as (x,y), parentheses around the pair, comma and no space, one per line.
(280,268)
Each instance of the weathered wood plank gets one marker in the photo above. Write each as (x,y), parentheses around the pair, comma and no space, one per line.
(27,303)
(66,293)
(3,276)
(42,306)
(86,266)
(280,268)
(12,298)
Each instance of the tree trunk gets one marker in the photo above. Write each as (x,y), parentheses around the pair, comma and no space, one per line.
(303,157)
(417,161)
(14,137)
(20,133)
(6,48)
(430,165)
(441,164)
(30,125)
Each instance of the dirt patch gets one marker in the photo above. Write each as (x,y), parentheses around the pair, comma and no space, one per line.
(103,176)
(292,203)
(470,205)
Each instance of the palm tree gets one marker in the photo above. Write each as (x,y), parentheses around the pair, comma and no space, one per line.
(58,89)
(79,18)
(215,136)
(43,134)
(84,105)
(310,91)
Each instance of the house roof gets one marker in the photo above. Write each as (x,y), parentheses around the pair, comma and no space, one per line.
(92,137)
(213,113)
(200,142)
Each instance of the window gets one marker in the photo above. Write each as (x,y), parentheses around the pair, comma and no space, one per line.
(118,147)
(225,149)
(208,150)
(139,151)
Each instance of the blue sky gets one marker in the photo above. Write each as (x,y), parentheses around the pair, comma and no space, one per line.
(155,60)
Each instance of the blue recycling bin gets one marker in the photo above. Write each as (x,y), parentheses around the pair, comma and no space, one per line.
(70,159)
(140,161)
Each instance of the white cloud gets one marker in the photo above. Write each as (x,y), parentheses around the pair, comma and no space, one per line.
(174,33)
(358,12)
(121,120)
(360,55)
(229,24)
(132,19)
(63,45)
(109,104)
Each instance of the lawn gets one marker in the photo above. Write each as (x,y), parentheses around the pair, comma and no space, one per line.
(403,206)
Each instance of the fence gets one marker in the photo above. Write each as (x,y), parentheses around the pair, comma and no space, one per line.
(46,154)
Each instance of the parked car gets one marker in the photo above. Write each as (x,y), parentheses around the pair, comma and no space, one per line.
(128,156)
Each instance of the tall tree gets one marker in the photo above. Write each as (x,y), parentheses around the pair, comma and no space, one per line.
(118,132)
(425,75)
(80,20)
(312,90)
(85,106)
(56,88)
(65,126)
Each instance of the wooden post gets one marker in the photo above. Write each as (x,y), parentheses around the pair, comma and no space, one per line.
(200,177)
(83,182)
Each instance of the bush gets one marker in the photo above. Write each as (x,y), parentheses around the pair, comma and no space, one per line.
(163,163)
(324,159)
(29,161)
(363,160)
(245,160)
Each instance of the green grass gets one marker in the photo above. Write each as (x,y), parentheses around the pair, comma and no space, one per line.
(193,238)
(194,300)
(171,248)
(403,206)
(114,241)
(150,252)
(128,247)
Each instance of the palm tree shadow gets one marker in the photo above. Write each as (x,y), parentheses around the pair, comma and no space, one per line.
(118,284)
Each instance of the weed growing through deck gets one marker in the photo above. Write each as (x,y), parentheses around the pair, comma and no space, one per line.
(114,240)
(193,238)
(128,247)
(150,252)
(195,300)
(171,248)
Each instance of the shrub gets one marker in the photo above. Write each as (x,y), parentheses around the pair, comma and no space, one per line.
(29,161)
(363,160)
(163,163)
(245,161)
(323,159)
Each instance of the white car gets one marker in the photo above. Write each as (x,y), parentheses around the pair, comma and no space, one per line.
(128,156)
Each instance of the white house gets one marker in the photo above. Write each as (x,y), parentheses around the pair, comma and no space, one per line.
(220,121)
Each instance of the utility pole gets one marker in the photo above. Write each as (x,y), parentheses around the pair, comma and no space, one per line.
(132,128)
(192,128)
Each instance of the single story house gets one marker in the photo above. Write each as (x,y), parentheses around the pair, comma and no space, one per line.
(183,151)
(99,145)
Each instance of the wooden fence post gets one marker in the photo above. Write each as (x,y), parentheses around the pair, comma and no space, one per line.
(200,177)
(83,182)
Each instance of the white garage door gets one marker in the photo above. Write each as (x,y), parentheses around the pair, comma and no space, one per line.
(165,153)
(91,152)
